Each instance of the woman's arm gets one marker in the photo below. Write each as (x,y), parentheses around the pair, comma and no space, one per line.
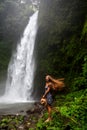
(48,89)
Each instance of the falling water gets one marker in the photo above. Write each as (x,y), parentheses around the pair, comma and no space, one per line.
(21,69)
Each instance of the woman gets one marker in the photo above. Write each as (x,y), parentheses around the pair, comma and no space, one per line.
(47,98)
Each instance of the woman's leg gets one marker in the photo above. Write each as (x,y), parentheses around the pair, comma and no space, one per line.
(49,109)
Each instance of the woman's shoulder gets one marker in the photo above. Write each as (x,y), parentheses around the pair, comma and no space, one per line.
(50,84)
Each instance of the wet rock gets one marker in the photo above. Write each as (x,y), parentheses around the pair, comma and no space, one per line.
(37,109)
(21,111)
(4,128)
(21,127)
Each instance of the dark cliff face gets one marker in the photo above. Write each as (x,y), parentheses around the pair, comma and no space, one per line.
(58,40)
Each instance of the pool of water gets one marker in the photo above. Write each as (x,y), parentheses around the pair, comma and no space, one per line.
(16,108)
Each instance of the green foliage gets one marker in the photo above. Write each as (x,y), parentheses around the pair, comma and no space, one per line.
(76,109)
(71,114)
(84,32)
(84,67)
(31,129)
(11,121)
(81,81)
(54,125)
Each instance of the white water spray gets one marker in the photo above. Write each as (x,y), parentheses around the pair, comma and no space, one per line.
(19,84)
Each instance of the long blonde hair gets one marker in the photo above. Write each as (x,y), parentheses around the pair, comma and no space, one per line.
(57,84)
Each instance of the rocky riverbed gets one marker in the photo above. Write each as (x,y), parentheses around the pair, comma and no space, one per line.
(22,122)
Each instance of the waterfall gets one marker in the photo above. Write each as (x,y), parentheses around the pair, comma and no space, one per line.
(21,68)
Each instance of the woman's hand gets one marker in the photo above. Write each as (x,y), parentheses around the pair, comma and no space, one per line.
(43,96)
